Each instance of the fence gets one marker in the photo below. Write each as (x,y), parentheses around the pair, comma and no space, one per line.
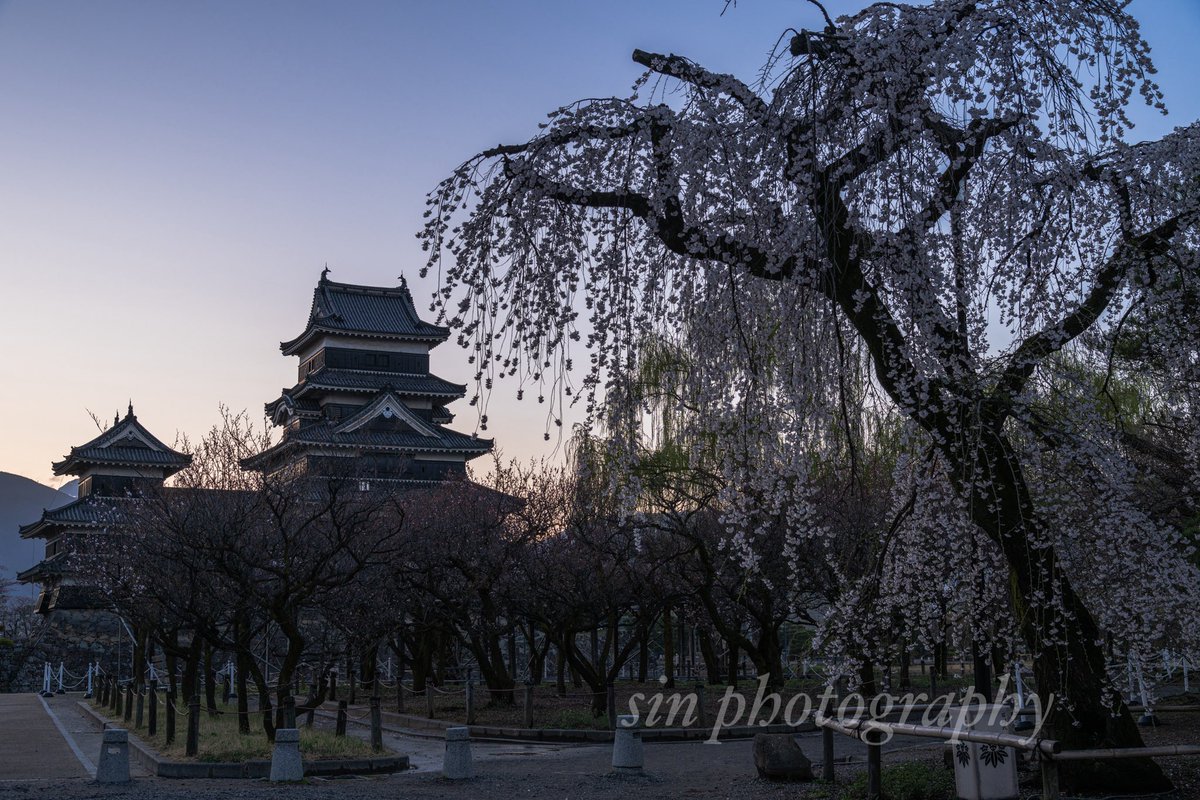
(1048,751)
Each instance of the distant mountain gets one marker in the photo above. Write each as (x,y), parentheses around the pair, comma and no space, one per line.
(21,502)
(70,488)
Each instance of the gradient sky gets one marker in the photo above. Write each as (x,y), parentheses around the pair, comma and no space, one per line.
(175,174)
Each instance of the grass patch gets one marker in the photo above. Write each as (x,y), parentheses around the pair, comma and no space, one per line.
(573,718)
(220,740)
(913,780)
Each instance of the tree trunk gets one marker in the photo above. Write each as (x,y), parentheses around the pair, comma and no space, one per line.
(668,650)
(981,670)
(768,657)
(139,660)
(712,661)
(560,671)
(368,668)
(613,645)
(733,664)
(593,676)
(643,654)
(243,690)
(866,679)
(1074,670)
(210,682)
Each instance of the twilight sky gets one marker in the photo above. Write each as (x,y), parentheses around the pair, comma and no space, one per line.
(175,174)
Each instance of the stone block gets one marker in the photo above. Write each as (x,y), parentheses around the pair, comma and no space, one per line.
(286,764)
(778,758)
(113,766)
(627,745)
(457,764)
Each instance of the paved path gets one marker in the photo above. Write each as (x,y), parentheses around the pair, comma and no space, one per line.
(31,746)
(37,761)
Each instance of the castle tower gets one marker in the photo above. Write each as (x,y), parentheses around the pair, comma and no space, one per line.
(365,401)
(114,469)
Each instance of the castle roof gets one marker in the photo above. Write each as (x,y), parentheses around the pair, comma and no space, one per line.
(86,512)
(374,312)
(354,381)
(126,444)
(385,425)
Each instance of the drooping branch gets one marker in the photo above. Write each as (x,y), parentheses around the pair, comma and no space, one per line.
(669,227)
(572,134)
(963,149)
(1033,352)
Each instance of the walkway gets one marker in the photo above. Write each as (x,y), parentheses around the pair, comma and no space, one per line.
(31,746)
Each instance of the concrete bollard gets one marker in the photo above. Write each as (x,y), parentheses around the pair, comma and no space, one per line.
(627,745)
(456,765)
(286,764)
(113,766)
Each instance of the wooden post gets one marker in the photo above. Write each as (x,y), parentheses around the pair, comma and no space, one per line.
(528,719)
(117,708)
(129,701)
(1049,778)
(152,717)
(874,768)
(170,736)
(376,725)
(340,729)
(332,685)
(827,772)
(193,728)
(470,702)
(611,706)
(289,711)
(429,700)
(399,694)
(141,706)
(702,705)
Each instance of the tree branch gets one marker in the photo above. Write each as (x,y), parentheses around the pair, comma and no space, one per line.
(1031,353)
(680,68)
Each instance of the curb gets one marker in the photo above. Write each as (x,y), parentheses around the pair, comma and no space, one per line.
(576,736)
(163,768)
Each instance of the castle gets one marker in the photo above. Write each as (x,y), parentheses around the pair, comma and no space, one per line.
(365,403)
